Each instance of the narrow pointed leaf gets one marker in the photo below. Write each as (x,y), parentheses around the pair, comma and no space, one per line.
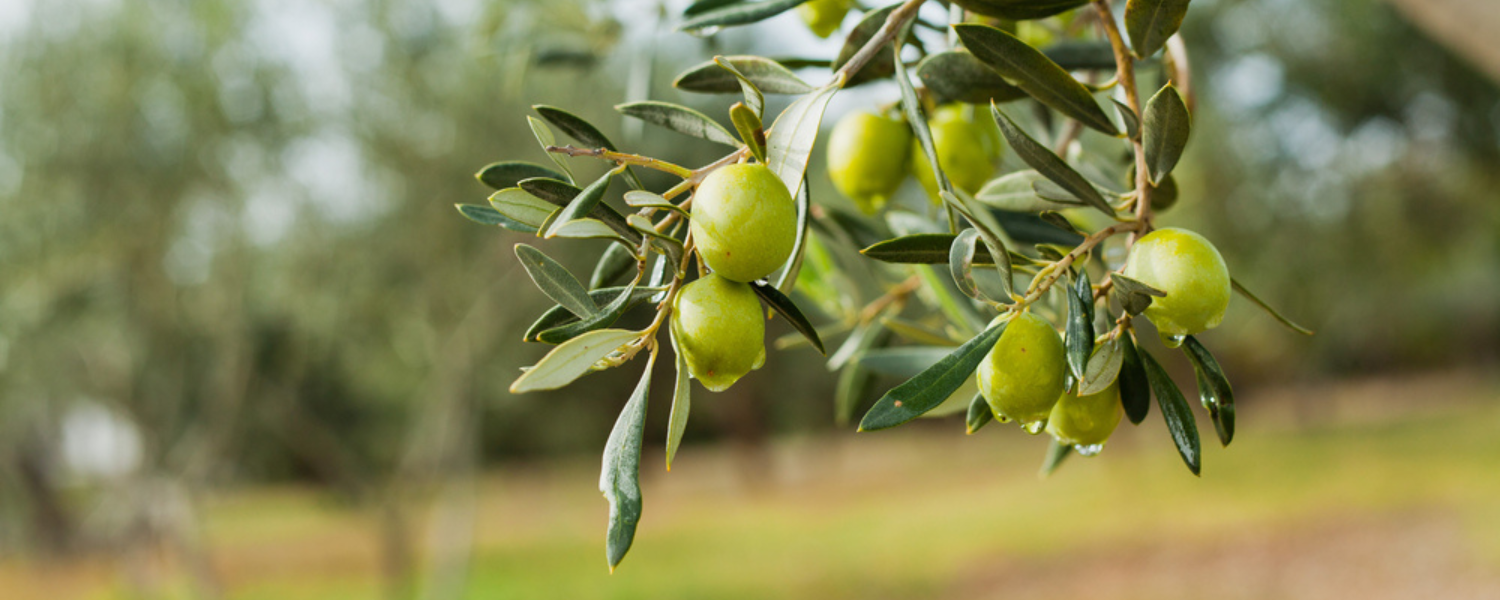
(978,416)
(681,119)
(748,124)
(1213,388)
(880,67)
(617,259)
(485,215)
(790,142)
(903,362)
(562,194)
(582,205)
(1103,369)
(931,387)
(740,13)
(1176,412)
(585,229)
(788,277)
(584,132)
(912,106)
(682,403)
(619,480)
(1080,338)
(961,262)
(1164,132)
(604,317)
(1133,296)
(784,306)
(571,360)
(1016,192)
(555,281)
(501,175)
(546,139)
(1238,287)
(1057,452)
(754,99)
(956,76)
(1135,388)
(769,76)
(519,206)
(558,316)
(1020,10)
(1048,164)
(922,249)
(1034,73)
(1150,22)
(1128,116)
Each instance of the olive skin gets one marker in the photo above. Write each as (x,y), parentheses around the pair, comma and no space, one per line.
(1024,374)
(868,156)
(744,222)
(967,148)
(823,17)
(1086,420)
(720,330)
(1192,273)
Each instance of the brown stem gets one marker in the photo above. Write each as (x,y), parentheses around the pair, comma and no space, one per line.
(1125,71)
(1056,270)
(622,158)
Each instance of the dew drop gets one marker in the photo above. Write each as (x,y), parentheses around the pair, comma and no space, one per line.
(1034,427)
(1173,341)
(1088,450)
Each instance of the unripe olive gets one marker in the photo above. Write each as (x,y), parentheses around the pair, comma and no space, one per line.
(1188,268)
(744,222)
(823,17)
(967,148)
(1086,420)
(1023,375)
(867,158)
(720,330)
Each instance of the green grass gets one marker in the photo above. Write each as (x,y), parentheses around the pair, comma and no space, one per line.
(903,513)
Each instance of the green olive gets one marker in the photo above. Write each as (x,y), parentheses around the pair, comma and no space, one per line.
(744,222)
(1188,268)
(823,17)
(720,329)
(867,158)
(1086,420)
(967,148)
(1025,372)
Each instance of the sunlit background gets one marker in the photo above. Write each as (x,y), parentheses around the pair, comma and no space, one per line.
(249,350)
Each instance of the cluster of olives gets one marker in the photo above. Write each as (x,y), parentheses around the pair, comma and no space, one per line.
(1024,378)
(870,154)
(744,227)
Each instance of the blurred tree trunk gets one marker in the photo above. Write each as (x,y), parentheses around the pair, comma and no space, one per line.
(1469,28)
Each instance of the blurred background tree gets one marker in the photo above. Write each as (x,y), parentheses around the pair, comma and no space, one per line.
(228,254)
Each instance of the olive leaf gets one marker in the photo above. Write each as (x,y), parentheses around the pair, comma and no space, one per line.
(508,174)
(978,416)
(1034,73)
(1030,229)
(1020,10)
(562,194)
(903,362)
(1135,388)
(1150,22)
(1133,296)
(748,125)
(1057,452)
(1129,118)
(1080,328)
(768,76)
(558,315)
(912,106)
(613,264)
(1176,412)
(754,99)
(925,249)
(581,205)
(1103,368)
(956,76)
(1164,132)
(571,360)
(547,140)
(789,144)
(619,479)
(555,281)
(681,119)
(1049,164)
(931,387)
(880,67)
(682,401)
(1238,287)
(584,132)
(784,306)
(788,277)
(1017,192)
(1213,388)
(485,215)
(961,262)
(739,13)
(604,317)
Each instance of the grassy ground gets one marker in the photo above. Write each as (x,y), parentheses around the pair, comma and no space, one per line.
(1366,497)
